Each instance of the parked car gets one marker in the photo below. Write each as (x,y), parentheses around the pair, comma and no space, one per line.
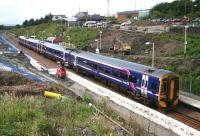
(126,23)
(196,21)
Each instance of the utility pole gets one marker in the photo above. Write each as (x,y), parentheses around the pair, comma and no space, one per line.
(135,5)
(100,40)
(185,43)
(108,8)
(153,55)
(97,49)
(69,44)
(153,52)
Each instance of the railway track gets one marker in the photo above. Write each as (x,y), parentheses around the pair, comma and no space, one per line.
(188,120)
(192,122)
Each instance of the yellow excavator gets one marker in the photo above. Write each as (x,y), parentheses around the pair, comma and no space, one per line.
(125,48)
(122,47)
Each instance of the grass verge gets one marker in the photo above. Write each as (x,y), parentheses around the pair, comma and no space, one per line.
(40,116)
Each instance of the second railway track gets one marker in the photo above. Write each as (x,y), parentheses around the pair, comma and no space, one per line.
(192,122)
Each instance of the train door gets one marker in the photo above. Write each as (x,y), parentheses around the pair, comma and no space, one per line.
(169,92)
(144,85)
(63,58)
(172,86)
(75,60)
(70,59)
(172,93)
(39,47)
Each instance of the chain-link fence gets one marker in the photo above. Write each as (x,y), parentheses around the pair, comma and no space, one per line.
(190,85)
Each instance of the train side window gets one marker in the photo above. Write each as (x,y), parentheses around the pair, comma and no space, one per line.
(164,88)
(84,61)
(94,66)
(80,61)
(142,82)
(133,79)
(90,64)
(115,73)
(153,86)
(101,69)
(123,76)
(107,71)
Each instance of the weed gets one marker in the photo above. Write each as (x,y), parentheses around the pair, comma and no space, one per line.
(100,129)
(87,98)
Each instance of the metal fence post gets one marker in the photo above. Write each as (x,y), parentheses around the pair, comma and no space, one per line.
(180,86)
(190,86)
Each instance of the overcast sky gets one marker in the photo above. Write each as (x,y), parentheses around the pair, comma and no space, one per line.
(16,11)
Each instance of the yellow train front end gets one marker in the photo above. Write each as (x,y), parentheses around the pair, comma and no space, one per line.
(169,91)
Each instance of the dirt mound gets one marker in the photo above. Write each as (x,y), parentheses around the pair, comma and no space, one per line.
(18,85)
(13,83)
(11,79)
(3,47)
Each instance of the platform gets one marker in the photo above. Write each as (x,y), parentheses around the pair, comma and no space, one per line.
(190,99)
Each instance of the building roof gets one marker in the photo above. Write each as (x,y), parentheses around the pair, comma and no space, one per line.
(72,19)
(128,12)
(81,14)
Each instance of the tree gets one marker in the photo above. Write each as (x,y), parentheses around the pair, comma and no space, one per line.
(36,22)
(177,8)
(17,26)
(25,23)
(113,20)
(31,22)
(48,18)
(1,27)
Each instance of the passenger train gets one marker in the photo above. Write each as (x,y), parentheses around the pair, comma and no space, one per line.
(156,85)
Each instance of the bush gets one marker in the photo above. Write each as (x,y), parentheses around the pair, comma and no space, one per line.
(81,37)
(187,81)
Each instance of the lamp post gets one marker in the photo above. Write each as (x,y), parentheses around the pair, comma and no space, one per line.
(43,35)
(97,49)
(100,40)
(26,34)
(69,41)
(34,35)
(185,43)
(153,54)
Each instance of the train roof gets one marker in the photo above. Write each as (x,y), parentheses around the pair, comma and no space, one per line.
(55,46)
(122,63)
(29,39)
(47,44)
(107,60)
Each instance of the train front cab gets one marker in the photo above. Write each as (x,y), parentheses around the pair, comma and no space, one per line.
(169,91)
